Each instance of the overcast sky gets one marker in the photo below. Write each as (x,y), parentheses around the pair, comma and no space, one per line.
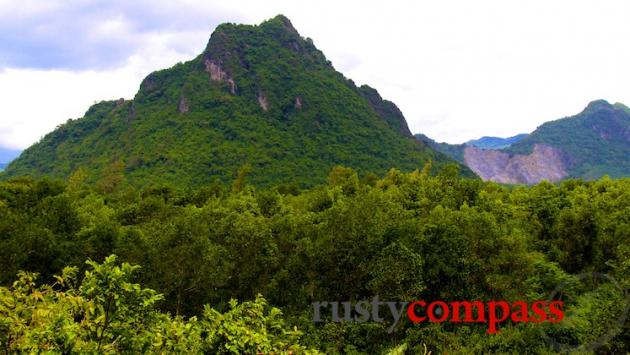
(457,69)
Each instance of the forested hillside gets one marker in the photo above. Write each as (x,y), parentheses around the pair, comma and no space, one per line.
(400,237)
(593,143)
(589,145)
(258,97)
(253,200)
(455,151)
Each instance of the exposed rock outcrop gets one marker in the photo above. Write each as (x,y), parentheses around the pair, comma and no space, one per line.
(150,83)
(182,107)
(589,145)
(544,163)
(217,74)
(262,101)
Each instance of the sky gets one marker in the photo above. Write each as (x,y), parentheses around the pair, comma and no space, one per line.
(458,70)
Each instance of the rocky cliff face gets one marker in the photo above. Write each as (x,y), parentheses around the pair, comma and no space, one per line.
(593,143)
(544,163)
(596,141)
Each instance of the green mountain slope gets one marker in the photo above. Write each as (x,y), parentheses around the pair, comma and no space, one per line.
(258,95)
(454,151)
(593,143)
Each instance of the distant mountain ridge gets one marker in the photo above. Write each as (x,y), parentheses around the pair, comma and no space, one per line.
(456,151)
(496,142)
(260,97)
(588,145)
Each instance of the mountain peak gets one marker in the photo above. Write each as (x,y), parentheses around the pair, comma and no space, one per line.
(229,43)
(278,25)
(260,95)
(280,20)
(598,105)
(620,106)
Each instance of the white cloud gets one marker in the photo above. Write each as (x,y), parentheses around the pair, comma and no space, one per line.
(457,69)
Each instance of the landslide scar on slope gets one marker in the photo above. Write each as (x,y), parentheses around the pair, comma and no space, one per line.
(544,163)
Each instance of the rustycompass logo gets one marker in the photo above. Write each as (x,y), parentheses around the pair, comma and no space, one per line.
(556,313)
(491,313)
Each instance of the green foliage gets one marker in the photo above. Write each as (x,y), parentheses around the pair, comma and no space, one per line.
(455,151)
(215,194)
(251,327)
(595,142)
(314,119)
(401,237)
(106,313)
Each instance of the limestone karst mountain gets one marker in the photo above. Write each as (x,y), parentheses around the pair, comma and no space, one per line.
(261,96)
